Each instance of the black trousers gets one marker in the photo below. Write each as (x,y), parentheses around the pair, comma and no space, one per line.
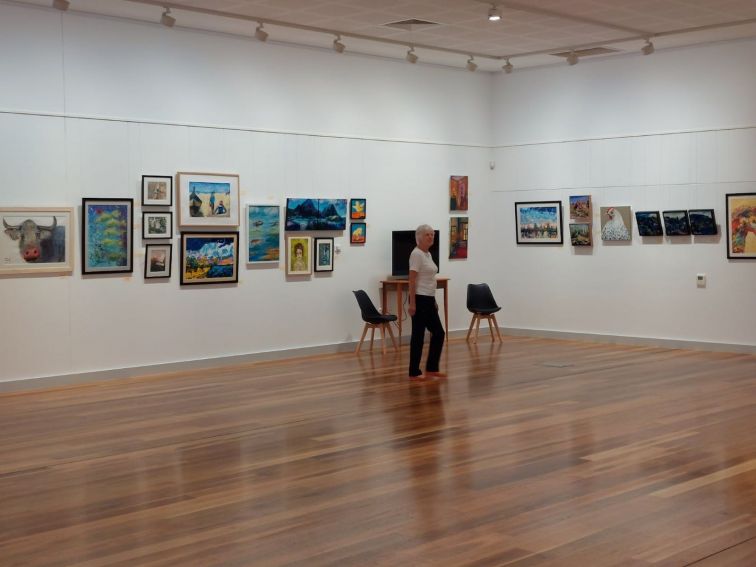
(425,317)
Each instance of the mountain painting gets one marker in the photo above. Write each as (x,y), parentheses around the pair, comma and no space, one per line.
(263,234)
(316,214)
(209,257)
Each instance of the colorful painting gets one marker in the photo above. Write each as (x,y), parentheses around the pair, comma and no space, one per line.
(36,240)
(208,200)
(580,207)
(315,214)
(157,261)
(702,222)
(458,238)
(157,190)
(676,223)
(616,223)
(209,257)
(324,254)
(358,209)
(580,234)
(298,260)
(263,234)
(107,235)
(539,222)
(458,193)
(358,233)
(741,225)
(649,223)
(157,225)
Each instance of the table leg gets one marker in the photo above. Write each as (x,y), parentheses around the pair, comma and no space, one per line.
(383,299)
(446,310)
(399,309)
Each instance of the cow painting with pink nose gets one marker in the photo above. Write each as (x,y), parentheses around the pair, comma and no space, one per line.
(38,243)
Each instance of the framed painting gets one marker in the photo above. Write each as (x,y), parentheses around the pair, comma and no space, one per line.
(209,258)
(358,233)
(616,223)
(157,190)
(580,234)
(676,223)
(299,249)
(458,193)
(539,222)
(580,207)
(157,225)
(36,240)
(741,225)
(357,209)
(263,234)
(316,214)
(207,200)
(458,238)
(702,222)
(157,261)
(107,236)
(649,223)
(323,254)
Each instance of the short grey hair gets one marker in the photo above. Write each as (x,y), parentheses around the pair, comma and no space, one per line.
(420,230)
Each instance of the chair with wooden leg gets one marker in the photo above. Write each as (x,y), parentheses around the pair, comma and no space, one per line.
(481,303)
(374,320)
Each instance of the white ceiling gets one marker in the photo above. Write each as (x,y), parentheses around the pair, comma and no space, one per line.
(530,31)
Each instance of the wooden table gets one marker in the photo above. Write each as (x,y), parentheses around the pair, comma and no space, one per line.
(399,286)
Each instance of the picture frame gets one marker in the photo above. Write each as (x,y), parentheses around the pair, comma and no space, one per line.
(458,238)
(580,207)
(649,223)
(323,254)
(157,261)
(157,224)
(616,223)
(207,200)
(358,233)
(581,234)
(741,226)
(157,191)
(676,223)
(263,234)
(209,258)
(315,214)
(299,251)
(36,240)
(357,209)
(107,235)
(538,222)
(458,193)
(703,222)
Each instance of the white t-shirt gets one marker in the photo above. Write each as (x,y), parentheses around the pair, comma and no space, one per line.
(422,263)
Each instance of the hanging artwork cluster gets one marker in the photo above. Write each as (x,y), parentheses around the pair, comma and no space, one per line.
(358,212)
(458,225)
(157,191)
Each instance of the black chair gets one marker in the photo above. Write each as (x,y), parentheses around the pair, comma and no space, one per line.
(481,303)
(374,320)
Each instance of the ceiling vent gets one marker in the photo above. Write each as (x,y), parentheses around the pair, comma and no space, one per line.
(587,52)
(412,25)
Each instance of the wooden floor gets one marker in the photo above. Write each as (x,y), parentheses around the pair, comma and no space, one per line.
(534,452)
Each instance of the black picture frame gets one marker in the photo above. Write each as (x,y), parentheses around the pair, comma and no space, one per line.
(319,265)
(548,213)
(146,235)
(703,222)
(164,186)
(224,239)
(676,223)
(649,223)
(150,268)
(358,233)
(93,258)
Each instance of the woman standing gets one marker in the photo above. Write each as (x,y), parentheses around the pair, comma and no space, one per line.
(423,307)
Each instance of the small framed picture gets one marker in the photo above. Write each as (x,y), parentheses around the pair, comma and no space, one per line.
(580,207)
(107,235)
(157,261)
(358,233)
(357,209)
(741,225)
(209,257)
(616,223)
(649,223)
(299,249)
(458,193)
(580,234)
(676,223)
(702,222)
(323,254)
(157,190)
(157,225)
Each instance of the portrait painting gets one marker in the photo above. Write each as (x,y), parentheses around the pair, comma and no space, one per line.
(702,222)
(107,235)
(209,257)
(36,240)
(458,193)
(649,223)
(616,223)
(358,233)
(741,225)
(298,260)
(157,225)
(263,234)
(458,238)
(157,190)
(157,261)
(323,254)
(357,209)
(208,200)
(539,222)
(676,223)
(580,207)
(580,234)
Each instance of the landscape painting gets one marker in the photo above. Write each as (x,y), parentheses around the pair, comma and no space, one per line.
(157,261)
(263,234)
(741,225)
(36,240)
(649,223)
(209,257)
(458,193)
(458,238)
(208,200)
(157,225)
(107,235)
(580,207)
(702,222)
(580,234)
(676,223)
(315,214)
(539,222)
(616,223)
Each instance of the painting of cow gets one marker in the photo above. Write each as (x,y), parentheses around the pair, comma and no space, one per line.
(35,240)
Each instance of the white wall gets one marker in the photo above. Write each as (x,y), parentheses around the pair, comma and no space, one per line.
(676,130)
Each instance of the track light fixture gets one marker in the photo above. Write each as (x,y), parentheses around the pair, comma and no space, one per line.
(647,49)
(61,5)
(572,58)
(508,67)
(411,56)
(338,47)
(471,64)
(494,14)
(167,20)
(260,33)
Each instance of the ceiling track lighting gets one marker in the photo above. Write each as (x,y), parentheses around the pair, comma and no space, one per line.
(471,64)
(260,33)
(648,49)
(167,20)
(494,14)
(61,5)
(338,47)
(508,67)
(572,58)
(411,55)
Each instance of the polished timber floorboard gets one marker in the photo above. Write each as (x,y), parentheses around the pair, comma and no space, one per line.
(533,452)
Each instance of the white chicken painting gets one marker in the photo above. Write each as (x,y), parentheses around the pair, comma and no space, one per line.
(615,223)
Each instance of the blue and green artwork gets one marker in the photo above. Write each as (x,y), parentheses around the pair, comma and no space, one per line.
(209,258)
(316,214)
(107,234)
(263,233)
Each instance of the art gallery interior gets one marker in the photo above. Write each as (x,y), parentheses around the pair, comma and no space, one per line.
(92,99)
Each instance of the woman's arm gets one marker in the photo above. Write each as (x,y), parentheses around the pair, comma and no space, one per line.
(411,292)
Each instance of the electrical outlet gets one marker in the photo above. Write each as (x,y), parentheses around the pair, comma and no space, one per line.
(701,280)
